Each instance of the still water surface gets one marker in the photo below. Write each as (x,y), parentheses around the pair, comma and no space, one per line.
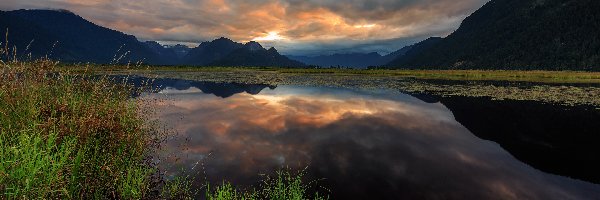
(376,144)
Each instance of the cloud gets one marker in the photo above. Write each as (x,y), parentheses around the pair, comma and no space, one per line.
(303,24)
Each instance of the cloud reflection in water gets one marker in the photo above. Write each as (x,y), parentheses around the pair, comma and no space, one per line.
(368,145)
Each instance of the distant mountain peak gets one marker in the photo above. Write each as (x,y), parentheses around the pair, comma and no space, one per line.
(254,54)
(253,46)
(54,11)
(222,39)
(177,46)
(65,11)
(153,43)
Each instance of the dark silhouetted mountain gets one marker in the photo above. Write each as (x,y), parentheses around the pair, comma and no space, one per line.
(391,56)
(168,55)
(354,60)
(414,50)
(252,54)
(225,52)
(29,38)
(520,34)
(253,46)
(180,50)
(171,55)
(66,36)
(209,52)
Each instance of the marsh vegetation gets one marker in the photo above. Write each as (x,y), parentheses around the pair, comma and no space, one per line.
(565,88)
(65,135)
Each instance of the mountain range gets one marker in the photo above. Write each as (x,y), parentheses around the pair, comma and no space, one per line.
(65,36)
(503,34)
(225,52)
(353,60)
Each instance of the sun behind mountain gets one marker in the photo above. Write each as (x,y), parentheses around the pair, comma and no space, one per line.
(270,37)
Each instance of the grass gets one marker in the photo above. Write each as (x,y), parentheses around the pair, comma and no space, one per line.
(466,75)
(283,186)
(178,188)
(587,94)
(70,136)
(497,75)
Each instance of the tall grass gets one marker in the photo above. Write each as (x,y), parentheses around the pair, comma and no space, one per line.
(70,136)
(284,185)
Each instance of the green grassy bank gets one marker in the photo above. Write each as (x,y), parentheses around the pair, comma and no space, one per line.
(69,137)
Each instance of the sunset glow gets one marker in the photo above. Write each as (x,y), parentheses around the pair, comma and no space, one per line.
(365,26)
(288,25)
(270,37)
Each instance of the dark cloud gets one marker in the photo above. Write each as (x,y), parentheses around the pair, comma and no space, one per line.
(293,26)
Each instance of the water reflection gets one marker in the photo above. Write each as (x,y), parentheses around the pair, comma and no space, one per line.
(368,145)
(556,139)
(222,90)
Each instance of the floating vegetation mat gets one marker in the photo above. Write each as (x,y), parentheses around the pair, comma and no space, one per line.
(554,93)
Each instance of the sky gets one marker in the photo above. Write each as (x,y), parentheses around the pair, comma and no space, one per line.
(294,27)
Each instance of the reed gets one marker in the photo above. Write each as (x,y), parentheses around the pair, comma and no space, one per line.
(67,135)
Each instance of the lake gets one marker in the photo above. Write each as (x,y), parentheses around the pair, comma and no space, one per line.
(379,143)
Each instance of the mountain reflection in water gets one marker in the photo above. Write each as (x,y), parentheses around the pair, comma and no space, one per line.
(367,145)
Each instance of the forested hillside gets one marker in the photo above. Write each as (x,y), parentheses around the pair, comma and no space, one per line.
(520,34)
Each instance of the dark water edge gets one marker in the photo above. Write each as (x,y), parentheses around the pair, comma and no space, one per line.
(556,139)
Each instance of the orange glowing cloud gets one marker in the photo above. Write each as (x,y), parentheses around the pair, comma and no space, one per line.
(287,23)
